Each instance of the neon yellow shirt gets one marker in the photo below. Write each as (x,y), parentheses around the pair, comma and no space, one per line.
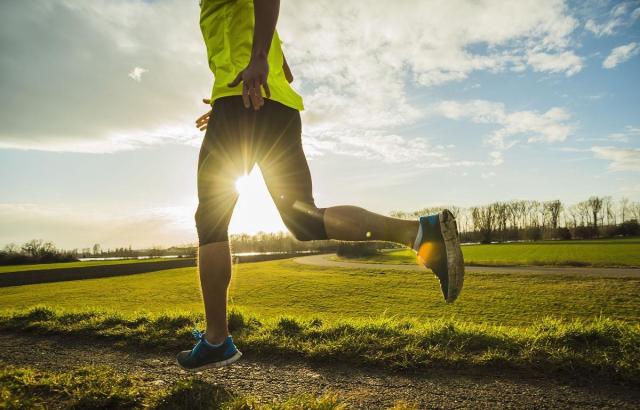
(227,28)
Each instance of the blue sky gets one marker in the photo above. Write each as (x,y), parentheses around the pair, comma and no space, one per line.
(425,103)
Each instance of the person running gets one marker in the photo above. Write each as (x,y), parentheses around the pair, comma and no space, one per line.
(246,127)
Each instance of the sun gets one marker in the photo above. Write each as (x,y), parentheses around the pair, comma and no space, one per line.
(255,210)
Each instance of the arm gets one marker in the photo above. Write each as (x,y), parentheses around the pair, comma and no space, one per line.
(254,76)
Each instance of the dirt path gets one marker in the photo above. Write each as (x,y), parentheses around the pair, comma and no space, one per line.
(362,388)
(325,260)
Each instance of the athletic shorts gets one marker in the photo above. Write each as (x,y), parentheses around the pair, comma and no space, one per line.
(236,139)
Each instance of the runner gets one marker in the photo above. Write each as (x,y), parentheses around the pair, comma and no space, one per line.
(255,119)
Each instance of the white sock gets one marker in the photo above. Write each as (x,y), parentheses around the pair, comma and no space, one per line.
(211,344)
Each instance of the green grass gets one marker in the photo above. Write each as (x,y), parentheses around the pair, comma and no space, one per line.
(599,348)
(22,268)
(606,252)
(285,287)
(99,387)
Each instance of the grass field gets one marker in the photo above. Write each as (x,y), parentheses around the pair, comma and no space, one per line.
(285,287)
(22,268)
(393,319)
(99,387)
(598,348)
(606,252)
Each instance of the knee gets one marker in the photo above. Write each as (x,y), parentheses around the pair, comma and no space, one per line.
(210,224)
(305,221)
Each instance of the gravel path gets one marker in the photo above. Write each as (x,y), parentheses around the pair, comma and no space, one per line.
(362,388)
(325,260)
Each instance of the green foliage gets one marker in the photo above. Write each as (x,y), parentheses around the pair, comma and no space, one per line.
(83,388)
(195,394)
(594,348)
(100,387)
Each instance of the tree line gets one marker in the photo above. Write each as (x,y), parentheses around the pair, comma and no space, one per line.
(34,251)
(595,217)
(516,220)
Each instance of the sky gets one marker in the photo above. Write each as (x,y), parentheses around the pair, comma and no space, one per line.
(407,105)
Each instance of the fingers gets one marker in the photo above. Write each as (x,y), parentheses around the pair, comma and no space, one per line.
(267,92)
(256,95)
(201,123)
(245,95)
(204,117)
(251,90)
(206,101)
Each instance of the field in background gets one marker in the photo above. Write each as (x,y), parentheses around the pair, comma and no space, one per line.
(605,252)
(60,265)
(274,288)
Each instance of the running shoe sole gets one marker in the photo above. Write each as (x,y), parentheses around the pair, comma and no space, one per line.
(455,260)
(214,365)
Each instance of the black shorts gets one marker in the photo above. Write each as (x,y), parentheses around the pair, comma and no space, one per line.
(236,139)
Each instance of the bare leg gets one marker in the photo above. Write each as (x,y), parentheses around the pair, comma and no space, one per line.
(214,266)
(350,223)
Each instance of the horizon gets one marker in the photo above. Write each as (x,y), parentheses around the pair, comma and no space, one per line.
(461,105)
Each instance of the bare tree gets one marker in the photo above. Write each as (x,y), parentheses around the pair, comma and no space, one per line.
(624,208)
(552,211)
(595,206)
(12,248)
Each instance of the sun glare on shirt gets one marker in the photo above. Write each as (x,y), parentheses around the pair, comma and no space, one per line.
(255,210)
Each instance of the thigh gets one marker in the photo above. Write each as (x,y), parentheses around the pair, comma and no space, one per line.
(284,164)
(224,156)
(228,147)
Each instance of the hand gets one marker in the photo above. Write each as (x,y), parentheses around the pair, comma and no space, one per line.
(202,121)
(253,78)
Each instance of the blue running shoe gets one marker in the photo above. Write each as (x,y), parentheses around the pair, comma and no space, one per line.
(205,355)
(438,248)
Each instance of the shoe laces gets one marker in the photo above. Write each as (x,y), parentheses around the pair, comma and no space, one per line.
(199,336)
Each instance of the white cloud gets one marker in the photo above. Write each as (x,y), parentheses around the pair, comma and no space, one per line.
(356,65)
(113,141)
(88,47)
(622,159)
(619,16)
(566,62)
(549,126)
(627,135)
(80,227)
(136,73)
(621,54)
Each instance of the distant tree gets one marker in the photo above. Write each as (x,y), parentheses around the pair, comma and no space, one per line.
(96,249)
(483,221)
(552,211)
(584,212)
(595,206)
(608,211)
(624,208)
(11,248)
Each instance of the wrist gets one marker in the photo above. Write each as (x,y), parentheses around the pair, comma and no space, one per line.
(259,55)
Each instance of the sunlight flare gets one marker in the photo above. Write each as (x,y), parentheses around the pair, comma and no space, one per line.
(255,210)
